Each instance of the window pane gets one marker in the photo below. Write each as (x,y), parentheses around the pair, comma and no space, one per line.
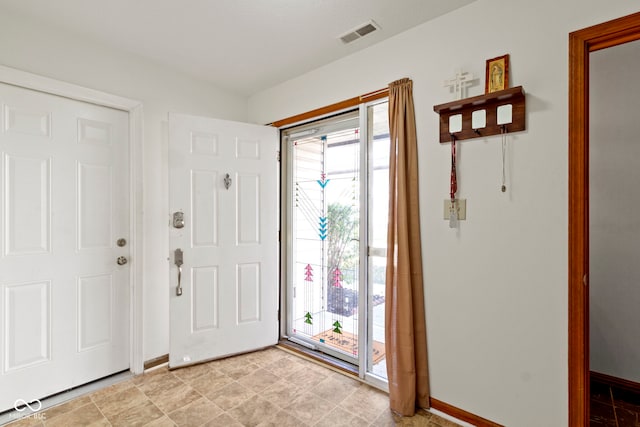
(378,125)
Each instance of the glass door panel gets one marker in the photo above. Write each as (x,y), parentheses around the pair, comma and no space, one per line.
(325,235)
(336,229)
(378,208)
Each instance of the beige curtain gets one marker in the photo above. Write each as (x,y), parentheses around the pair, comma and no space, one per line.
(405,328)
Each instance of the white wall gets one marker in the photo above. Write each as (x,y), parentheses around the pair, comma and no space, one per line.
(496,289)
(614,213)
(37,48)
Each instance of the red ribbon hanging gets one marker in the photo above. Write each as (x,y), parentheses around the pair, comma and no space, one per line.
(454,178)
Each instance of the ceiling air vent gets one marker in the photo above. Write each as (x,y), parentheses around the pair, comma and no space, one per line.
(361,31)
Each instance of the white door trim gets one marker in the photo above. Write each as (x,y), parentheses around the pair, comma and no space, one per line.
(134,108)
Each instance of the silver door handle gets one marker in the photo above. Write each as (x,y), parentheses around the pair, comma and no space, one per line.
(179,288)
(178,255)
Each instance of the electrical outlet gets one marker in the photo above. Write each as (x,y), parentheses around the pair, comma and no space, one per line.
(459,204)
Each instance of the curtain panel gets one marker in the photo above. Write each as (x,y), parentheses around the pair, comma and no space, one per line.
(405,329)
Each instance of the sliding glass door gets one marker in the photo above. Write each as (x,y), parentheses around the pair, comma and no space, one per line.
(337,180)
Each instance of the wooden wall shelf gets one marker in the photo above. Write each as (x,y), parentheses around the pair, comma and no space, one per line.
(490,103)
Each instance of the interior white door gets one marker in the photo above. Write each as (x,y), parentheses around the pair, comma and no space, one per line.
(223,179)
(64,201)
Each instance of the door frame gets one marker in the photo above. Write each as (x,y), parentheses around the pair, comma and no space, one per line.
(39,83)
(581,44)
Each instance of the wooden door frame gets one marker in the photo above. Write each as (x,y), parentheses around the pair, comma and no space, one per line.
(581,44)
(133,108)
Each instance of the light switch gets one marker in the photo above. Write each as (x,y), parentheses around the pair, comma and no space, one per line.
(459,204)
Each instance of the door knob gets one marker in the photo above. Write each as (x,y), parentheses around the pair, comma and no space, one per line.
(121,260)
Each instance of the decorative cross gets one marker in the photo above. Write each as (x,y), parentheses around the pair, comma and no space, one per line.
(460,83)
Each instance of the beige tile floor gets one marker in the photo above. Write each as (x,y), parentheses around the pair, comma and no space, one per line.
(266,388)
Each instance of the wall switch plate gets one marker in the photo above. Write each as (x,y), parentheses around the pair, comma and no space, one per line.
(459,204)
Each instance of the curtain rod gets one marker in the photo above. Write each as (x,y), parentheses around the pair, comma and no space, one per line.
(347,103)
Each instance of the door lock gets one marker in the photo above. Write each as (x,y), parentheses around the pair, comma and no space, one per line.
(178,219)
(121,242)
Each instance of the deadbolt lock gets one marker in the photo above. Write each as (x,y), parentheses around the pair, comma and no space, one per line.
(178,219)
(121,242)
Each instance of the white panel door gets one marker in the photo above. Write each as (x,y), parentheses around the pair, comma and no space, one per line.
(229,279)
(64,201)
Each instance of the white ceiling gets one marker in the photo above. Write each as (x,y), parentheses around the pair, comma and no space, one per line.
(244,46)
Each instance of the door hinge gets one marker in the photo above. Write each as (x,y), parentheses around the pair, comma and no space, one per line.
(278,315)
(278,156)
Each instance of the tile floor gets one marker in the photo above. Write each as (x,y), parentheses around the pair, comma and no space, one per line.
(614,407)
(266,388)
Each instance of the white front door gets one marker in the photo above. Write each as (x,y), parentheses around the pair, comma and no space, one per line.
(64,202)
(223,180)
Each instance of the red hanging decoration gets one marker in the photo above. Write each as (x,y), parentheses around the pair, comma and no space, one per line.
(454,179)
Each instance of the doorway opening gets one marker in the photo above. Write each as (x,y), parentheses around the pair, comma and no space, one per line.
(581,44)
(336,191)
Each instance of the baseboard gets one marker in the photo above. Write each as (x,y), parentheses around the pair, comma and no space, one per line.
(155,362)
(615,381)
(461,414)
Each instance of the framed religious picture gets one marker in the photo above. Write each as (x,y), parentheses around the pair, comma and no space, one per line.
(497,74)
